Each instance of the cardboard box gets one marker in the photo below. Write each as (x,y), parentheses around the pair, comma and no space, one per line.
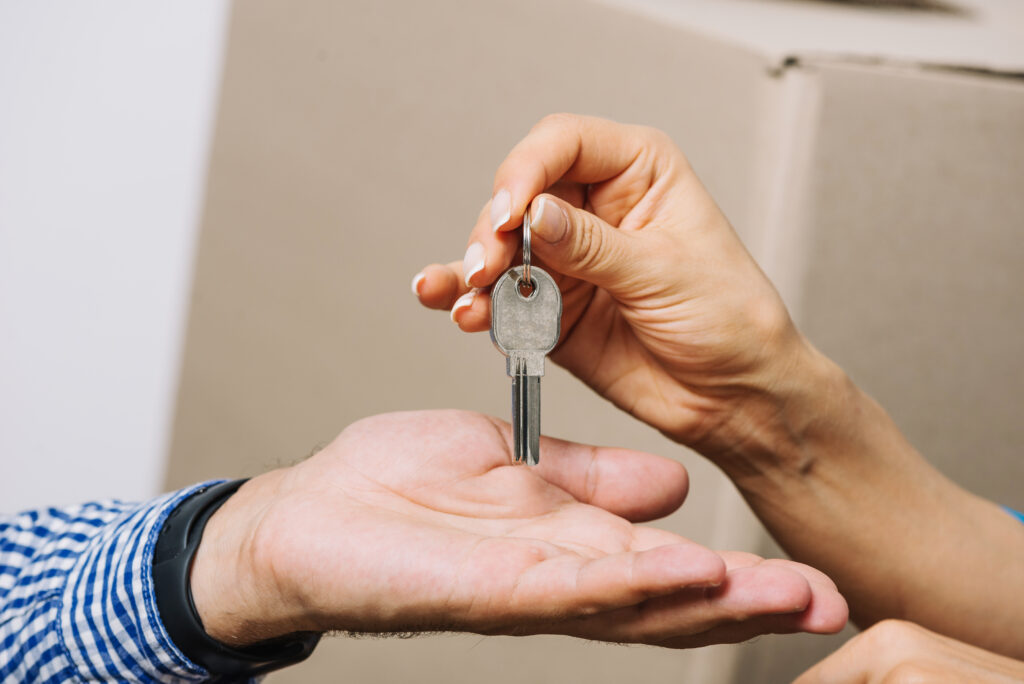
(356,142)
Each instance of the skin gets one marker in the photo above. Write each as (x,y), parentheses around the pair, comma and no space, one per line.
(667,315)
(897,652)
(418,522)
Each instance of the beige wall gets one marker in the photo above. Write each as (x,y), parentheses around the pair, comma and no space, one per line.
(356,142)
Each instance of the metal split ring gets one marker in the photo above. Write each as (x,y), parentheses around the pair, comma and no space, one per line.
(526,248)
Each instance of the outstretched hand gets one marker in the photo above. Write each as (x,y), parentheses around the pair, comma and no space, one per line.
(417,521)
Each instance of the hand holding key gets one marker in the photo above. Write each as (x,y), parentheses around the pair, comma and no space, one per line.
(665,313)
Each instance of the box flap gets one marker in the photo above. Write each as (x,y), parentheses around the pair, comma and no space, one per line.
(974,35)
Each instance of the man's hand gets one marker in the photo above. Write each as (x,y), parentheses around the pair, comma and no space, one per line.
(897,652)
(665,312)
(417,521)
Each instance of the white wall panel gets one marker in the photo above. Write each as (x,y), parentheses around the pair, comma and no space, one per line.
(105,117)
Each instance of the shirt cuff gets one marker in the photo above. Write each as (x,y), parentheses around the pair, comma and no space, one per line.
(1016,514)
(110,627)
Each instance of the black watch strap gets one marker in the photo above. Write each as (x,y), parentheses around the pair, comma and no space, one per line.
(172,563)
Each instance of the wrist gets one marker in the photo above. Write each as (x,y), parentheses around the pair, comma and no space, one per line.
(782,424)
(237,602)
(173,561)
(811,436)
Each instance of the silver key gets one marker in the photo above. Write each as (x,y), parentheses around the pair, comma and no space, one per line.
(525,326)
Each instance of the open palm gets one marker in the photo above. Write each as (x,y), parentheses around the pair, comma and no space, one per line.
(417,521)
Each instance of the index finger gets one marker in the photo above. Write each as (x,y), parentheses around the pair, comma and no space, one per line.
(581,149)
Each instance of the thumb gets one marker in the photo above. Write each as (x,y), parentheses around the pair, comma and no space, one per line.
(576,243)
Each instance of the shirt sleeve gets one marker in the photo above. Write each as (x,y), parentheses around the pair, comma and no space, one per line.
(1016,514)
(76,595)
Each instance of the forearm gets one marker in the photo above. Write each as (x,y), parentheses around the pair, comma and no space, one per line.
(841,489)
(76,595)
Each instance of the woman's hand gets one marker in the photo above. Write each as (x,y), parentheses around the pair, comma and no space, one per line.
(665,312)
(667,315)
(898,652)
(416,521)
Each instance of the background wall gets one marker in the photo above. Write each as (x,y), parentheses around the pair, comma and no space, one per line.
(105,115)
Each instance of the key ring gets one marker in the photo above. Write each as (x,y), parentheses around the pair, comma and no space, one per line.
(526,249)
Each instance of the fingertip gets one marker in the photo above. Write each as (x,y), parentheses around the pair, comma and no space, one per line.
(709,566)
(417,280)
(794,593)
(549,219)
(786,590)
(681,565)
(831,621)
(827,613)
(578,243)
(519,192)
(477,316)
(474,262)
(639,486)
(489,252)
(437,286)
(464,302)
(500,211)
(773,589)
(631,484)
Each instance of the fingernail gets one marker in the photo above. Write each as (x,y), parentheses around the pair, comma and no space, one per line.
(550,221)
(501,209)
(474,261)
(416,280)
(463,302)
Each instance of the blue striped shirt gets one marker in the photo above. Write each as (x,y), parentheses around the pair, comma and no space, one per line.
(76,595)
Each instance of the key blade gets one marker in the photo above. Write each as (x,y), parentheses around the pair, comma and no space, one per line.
(526,418)
(531,426)
(518,417)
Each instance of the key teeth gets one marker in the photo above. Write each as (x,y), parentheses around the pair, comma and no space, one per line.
(526,456)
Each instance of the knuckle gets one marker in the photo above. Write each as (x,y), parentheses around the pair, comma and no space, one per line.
(661,145)
(893,636)
(367,424)
(656,136)
(373,429)
(558,120)
(589,245)
(913,672)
